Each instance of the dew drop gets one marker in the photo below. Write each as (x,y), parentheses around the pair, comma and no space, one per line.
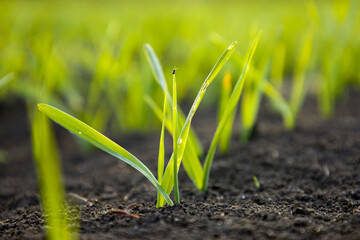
(80,133)
(192,112)
(180,141)
(205,87)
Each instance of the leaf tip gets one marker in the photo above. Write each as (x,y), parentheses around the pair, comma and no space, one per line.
(146,46)
(40,106)
(232,45)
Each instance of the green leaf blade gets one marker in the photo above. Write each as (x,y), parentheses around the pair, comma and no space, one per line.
(158,73)
(280,104)
(182,140)
(191,161)
(48,167)
(224,98)
(233,101)
(161,156)
(175,141)
(97,139)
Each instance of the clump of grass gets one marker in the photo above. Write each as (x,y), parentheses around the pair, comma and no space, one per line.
(169,178)
(191,160)
(192,163)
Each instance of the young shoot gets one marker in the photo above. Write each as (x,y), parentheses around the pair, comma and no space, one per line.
(251,101)
(231,106)
(256,182)
(161,156)
(190,157)
(175,142)
(92,136)
(300,85)
(280,104)
(224,98)
(47,164)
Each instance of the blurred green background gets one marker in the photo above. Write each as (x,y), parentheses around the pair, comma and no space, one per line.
(87,58)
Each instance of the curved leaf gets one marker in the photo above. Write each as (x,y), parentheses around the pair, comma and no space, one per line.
(98,140)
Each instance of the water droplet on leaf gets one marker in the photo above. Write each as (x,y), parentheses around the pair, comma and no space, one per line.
(205,87)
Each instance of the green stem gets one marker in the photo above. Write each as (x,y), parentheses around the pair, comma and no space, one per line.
(175,133)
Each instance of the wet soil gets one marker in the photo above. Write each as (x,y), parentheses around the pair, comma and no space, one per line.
(309,183)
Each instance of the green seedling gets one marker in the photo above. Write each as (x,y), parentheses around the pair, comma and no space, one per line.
(49,178)
(276,76)
(192,167)
(175,143)
(92,136)
(280,104)
(337,59)
(300,85)
(190,158)
(256,182)
(224,99)
(223,122)
(278,64)
(251,100)
(230,108)
(160,78)
(161,155)
(97,139)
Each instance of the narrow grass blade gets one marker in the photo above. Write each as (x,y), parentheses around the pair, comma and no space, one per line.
(251,101)
(161,156)
(280,104)
(233,101)
(175,135)
(155,66)
(191,161)
(224,98)
(278,64)
(169,175)
(98,140)
(160,78)
(49,177)
(299,85)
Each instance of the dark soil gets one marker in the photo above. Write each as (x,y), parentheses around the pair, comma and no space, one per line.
(309,183)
